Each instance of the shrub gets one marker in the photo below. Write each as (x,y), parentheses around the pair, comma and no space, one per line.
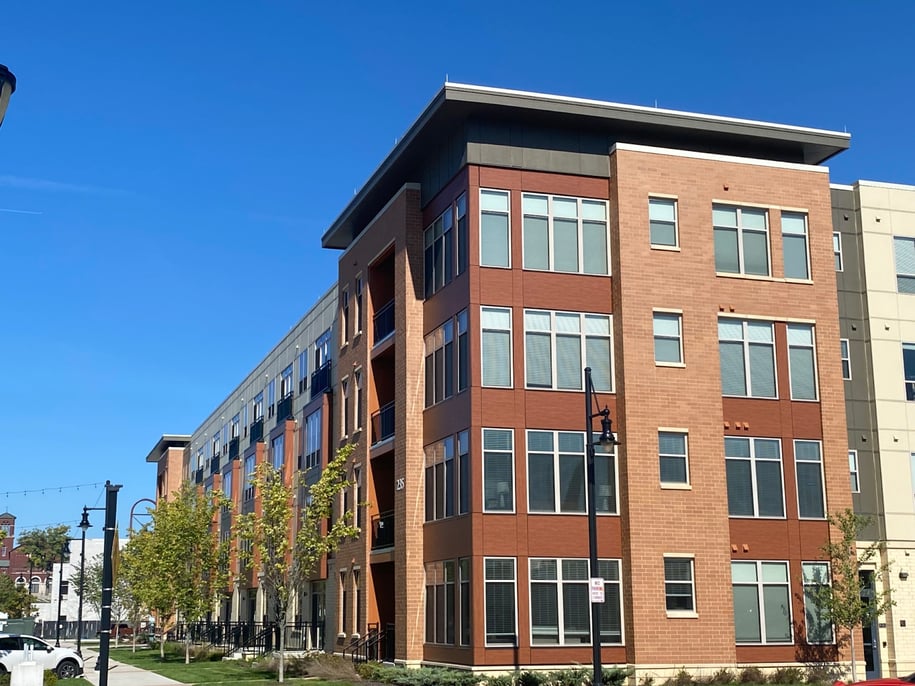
(824,673)
(575,676)
(501,680)
(614,676)
(787,675)
(329,667)
(682,678)
(532,679)
(751,675)
(369,671)
(647,681)
(720,678)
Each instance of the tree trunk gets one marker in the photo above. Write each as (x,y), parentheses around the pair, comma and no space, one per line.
(854,671)
(187,648)
(282,670)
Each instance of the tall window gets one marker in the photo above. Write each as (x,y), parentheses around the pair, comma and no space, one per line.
(278,451)
(673,457)
(846,359)
(463,445)
(819,629)
(565,234)
(464,602)
(312,447)
(322,350)
(853,471)
(499,600)
(357,409)
(794,245)
(801,362)
(271,397)
(908,365)
(905,264)
(754,476)
(286,382)
(344,316)
(460,211)
(440,610)
(248,493)
(344,405)
(837,249)
(498,470)
(662,222)
(679,586)
(747,351)
(258,406)
(668,337)
(494,229)
(359,310)
(440,483)
(741,240)
(303,371)
(762,605)
(556,474)
(444,369)
(808,464)
(227,486)
(496,332)
(558,345)
(463,358)
(233,427)
(438,240)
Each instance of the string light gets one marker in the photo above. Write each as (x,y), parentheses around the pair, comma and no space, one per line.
(59,489)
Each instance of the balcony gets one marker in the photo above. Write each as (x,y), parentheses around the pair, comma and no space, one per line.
(383,530)
(233,448)
(214,465)
(384,323)
(320,380)
(284,408)
(198,476)
(383,423)
(257,431)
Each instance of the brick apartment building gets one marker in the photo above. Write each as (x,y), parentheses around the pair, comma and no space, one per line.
(509,240)
(16,565)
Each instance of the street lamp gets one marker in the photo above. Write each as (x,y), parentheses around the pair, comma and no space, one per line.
(605,443)
(84,525)
(64,554)
(7,87)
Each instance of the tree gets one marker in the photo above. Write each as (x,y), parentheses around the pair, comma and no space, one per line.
(288,556)
(150,583)
(15,600)
(846,602)
(123,599)
(44,546)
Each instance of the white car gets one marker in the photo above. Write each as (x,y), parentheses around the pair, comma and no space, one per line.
(16,648)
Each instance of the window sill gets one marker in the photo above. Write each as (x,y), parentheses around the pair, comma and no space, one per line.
(674,486)
(675,365)
(789,279)
(751,397)
(556,271)
(748,277)
(665,248)
(682,614)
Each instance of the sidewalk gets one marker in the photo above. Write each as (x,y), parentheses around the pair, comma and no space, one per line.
(120,674)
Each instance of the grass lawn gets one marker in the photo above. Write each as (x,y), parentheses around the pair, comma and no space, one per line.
(221,672)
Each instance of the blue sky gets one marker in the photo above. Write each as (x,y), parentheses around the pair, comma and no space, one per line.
(167,170)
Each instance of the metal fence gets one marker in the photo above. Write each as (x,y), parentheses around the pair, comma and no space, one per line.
(254,637)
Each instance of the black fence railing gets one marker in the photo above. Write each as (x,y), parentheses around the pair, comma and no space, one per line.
(383,423)
(320,380)
(384,323)
(233,448)
(383,530)
(284,408)
(214,465)
(198,476)
(251,637)
(257,431)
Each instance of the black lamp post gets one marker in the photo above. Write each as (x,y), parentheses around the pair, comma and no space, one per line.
(64,554)
(84,525)
(7,88)
(605,444)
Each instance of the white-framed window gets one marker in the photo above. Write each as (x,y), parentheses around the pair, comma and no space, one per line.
(662,222)
(359,312)
(344,406)
(908,368)
(837,250)
(278,448)
(559,345)
(257,407)
(447,370)
(271,397)
(846,358)
(322,350)
(358,402)
(498,470)
(762,602)
(741,240)
(303,371)
(668,338)
(495,229)
(496,346)
(802,362)
(754,475)
(905,263)
(499,600)
(441,493)
(794,245)
(217,444)
(344,317)
(808,466)
(560,602)
(556,474)
(853,471)
(286,382)
(440,596)
(673,457)
(564,234)
(312,447)
(248,492)
(747,351)
(234,427)
(679,584)
(815,576)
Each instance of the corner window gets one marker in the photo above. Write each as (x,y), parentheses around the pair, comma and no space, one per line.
(668,339)
(741,240)
(837,250)
(754,476)
(498,470)
(494,229)
(747,351)
(853,471)
(846,359)
(440,482)
(816,576)
(438,242)
(905,264)
(499,600)
(808,465)
(460,211)
(762,604)
(673,457)
(679,587)
(556,474)
(564,234)
(802,362)
(496,332)
(446,372)
(794,245)
(908,365)
(558,345)
(662,222)
(440,586)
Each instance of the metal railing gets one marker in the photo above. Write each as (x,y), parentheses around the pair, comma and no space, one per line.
(383,423)
(257,431)
(320,380)
(383,530)
(251,637)
(383,323)
(284,408)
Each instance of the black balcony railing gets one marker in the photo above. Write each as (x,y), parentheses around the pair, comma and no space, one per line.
(284,408)
(214,465)
(198,476)
(383,423)
(320,380)
(383,530)
(384,322)
(257,431)
(233,448)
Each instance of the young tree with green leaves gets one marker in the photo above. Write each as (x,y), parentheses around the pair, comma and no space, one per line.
(15,600)
(151,585)
(289,541)
(123,600)
(44,546)
(841,602)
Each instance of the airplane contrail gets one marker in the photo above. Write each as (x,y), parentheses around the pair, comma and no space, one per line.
(12,211)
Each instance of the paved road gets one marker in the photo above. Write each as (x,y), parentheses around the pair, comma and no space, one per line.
(120,674)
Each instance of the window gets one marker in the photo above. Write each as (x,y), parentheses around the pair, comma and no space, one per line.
(463,371)
(905,264)
(794,245)
(558,345)
(561,605)
(673,457)
(679,587)
(359,311)
(762,609)
(271,397)
(248,493)
(440,619)
(357,410)
(464,602)
(556,474)
(801,362)
(494,229)
(233,427)
(741,240)
(668,339)
(313,439)
(754,475)
(816,576)
(440,483)
(837,249)
(257,407)
(303,371)
(499,600)
(808,465)
(322,350)
(344,317)
(853,471)
(496,354)
(217,445)
(908,364)
(662,222)
(444,370)
(286,382)
(564,234)
(747,352)
(438,241)
(278,448)
(344,405)
(460,210)
(244,417)
(227,488)
(498,470)
(846,359)
(64,590)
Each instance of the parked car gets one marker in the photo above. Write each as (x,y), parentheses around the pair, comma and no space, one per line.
(16,648)
(886,681)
